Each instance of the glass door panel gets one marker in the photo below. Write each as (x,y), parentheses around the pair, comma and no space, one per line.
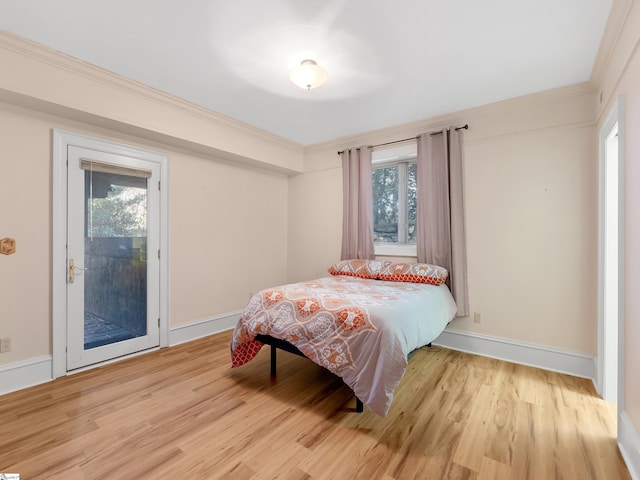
(115,282)
(113,285)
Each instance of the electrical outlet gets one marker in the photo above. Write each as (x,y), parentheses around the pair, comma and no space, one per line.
(5,344)
(476,317)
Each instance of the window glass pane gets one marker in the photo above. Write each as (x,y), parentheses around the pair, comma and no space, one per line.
(411,203)
(116,205)
(115,258)
(385,204)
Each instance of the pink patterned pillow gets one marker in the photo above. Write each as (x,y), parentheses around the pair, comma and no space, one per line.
(414,273)
(359,268)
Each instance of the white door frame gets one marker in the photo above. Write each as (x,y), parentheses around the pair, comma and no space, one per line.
(61,141)
(616,114)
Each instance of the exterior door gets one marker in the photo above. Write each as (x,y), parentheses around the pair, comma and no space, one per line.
(113,268)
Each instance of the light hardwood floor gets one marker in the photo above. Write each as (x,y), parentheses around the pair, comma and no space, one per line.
(183,413)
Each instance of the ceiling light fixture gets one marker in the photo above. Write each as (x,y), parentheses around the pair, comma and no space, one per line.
(308,75)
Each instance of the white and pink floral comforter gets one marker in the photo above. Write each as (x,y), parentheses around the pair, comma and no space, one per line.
(361,330)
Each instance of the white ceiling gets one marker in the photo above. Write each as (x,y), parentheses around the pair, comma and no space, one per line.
(389,62)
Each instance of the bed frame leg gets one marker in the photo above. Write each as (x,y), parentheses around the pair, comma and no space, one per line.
(359,405)
(359,408)
(273,361)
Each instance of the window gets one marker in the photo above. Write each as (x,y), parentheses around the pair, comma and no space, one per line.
(394,201)
(116,205)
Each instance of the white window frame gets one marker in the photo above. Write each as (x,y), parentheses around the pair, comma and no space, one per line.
(401,156)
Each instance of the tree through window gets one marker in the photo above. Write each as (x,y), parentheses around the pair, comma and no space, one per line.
(394,202)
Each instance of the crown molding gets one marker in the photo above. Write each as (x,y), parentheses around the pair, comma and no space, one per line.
(613,29)
(58,60)
(620,47)
(460,117)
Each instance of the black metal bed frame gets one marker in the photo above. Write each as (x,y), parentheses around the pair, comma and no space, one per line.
(276,343)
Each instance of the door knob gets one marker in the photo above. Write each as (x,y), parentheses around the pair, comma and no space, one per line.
(72,270)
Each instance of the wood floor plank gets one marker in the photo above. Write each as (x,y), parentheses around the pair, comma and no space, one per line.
(492,470)
(502,419)
(432,431)
(470,450)
(284,462)
(182,412)
(535,448)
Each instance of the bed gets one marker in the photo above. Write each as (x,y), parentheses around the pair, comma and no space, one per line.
(360,323)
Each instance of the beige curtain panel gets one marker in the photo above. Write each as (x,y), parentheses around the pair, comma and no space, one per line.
(440,233)
(357,218)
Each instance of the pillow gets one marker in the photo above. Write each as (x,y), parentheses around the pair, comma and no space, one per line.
(358,268)
(414,273)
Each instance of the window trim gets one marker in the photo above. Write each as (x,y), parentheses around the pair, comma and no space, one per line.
(396,249)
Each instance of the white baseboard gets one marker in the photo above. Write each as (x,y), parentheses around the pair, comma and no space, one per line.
(19,375)
(548,358)
(629,444)
(203,328)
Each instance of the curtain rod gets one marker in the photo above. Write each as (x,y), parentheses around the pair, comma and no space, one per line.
(464,127)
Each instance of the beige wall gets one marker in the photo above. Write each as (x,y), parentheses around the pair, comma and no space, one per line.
(25,215)
(620,75)
(315,219)
(227,234)
(531,203)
